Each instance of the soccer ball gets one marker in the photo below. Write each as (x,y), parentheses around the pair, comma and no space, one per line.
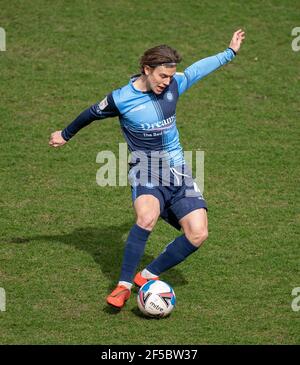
(156,298)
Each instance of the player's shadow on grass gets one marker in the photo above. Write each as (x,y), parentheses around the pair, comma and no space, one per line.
(106,246)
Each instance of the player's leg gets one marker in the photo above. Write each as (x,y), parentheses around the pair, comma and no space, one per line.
(147,209)
(188,210)
(194,225)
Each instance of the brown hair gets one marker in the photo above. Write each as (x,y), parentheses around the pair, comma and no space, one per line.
(159,55)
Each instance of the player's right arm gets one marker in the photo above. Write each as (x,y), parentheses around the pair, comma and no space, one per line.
(105,109)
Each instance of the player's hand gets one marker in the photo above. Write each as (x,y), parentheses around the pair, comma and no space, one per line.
(56,139)
(237,40)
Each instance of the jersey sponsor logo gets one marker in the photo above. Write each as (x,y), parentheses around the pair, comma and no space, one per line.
(161,124)
(103,104)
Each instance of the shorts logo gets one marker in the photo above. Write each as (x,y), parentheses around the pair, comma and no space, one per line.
(103,104)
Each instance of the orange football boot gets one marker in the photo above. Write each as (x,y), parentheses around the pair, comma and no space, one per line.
(140,281)
(117,298)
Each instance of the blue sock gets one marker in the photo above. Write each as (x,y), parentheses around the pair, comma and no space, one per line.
(133,253)
(174,253)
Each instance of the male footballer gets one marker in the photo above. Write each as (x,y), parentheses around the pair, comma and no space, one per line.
(161,182)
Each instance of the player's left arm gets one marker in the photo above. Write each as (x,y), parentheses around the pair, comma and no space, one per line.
(204,67)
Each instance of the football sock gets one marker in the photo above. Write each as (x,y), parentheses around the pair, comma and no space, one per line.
(147,274)
(173,254)
(126,284)
(133,253)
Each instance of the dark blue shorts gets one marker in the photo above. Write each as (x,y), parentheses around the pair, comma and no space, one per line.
(176,199)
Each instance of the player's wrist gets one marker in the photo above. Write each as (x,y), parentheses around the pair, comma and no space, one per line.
(65,135)
(234,52)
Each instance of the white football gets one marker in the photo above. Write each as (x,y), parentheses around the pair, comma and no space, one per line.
(156,298)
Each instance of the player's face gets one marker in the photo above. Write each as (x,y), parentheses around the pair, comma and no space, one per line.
(159,78)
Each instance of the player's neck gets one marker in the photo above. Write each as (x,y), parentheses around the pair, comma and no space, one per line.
(141,84)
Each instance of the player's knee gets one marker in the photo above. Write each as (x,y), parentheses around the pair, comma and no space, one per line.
(147,221)
(197,236)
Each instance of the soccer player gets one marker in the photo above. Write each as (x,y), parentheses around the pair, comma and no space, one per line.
(161,182)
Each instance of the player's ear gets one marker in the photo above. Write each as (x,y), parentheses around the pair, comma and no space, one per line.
(147,70)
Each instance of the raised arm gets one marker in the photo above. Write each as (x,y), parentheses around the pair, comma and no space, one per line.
(202,68)
(105,109)
(237,40)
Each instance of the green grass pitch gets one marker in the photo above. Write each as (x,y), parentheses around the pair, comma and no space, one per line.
(62,235)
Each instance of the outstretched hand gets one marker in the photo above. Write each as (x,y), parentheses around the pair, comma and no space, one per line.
(56,139)
(237,40)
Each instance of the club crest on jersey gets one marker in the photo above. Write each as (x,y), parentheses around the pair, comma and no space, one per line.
(169,96)
(103,104)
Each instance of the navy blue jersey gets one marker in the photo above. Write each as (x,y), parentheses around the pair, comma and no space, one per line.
(148,120)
